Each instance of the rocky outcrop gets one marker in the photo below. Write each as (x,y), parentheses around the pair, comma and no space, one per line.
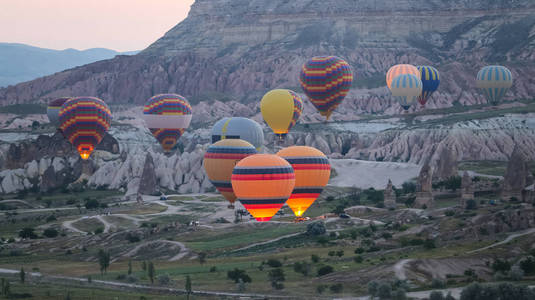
(147,183)
(445,163)
(516,175)
(467,189)
(390,196)
(424,194)
(235,51)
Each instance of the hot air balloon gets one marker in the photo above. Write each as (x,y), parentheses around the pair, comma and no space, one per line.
(167,116)
(494,82)
(239,128)
(52,111)
(219,162)
(398,70)
(430,82)
(326,81)
(312,173)
(84,121)
(281,109)
(406,88)
(263,183)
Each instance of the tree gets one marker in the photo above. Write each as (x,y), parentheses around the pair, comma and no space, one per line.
(188,286)
(6,289)
(384,290)
(340,253)
(516,273)
(202,257)
(151,272)
(316,228)
(92,204)
(471,204)
(129,267)
(337,288)
(276,277)
(399,294)
(144,266)
(103,260)
(50,233)
(35,125)
(22,275)
(302,267)
(27,233)
(339,209)
(408,187)
(358,259)
(429,244)
(528,265)
(373,287)
(453,183)
(238,274)
(274,263)
(325,270)
(314,258)
(500,265)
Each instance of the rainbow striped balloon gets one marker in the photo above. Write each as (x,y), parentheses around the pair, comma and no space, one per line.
(84,121)
(494,82)
(406,88)
(263,183)
(53,108)
(398,70)
(430,82)
(326,80)
(167,116)
(219,161)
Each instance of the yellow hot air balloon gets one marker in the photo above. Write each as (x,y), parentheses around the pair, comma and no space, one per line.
(312,173)
(281,109)
(219,161)
(263,183)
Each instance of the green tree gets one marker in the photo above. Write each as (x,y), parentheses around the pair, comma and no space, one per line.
(151,272)
(276,277)
(188,286)
(384,290)
(436,295)
(129,267)
(314,258)
(144,266)
(22,275)
(103,260)
(238,274)
(50,233)
(27,233)
(202,257)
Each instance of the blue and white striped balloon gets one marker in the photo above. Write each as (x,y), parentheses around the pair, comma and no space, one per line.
(494,82)
(406,88)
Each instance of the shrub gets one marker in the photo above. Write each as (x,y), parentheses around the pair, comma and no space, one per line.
(274,263)
(164,279)
(314,258)
(91,203)
(358,259)
(471,204)
(27,232)
(450,213)
(340,253)
(437,283)
(99,230)
(500,265)
(213,269)
(302,267)
(320,289)
(50,233)
(238,274)
(436,295)
(528,265)
(331,253)
(337,288)
(316,228)
(429,244)
(51,218)
(516,273)
(359,250)
(325,270)
(132,238)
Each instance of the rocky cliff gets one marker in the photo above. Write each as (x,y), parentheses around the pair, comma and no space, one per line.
(236,50)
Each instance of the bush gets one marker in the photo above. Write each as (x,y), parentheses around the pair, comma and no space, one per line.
(429,244)
(408,187)
(325,270)
(340,253)
(132,238)
(437,283)
(337,288)
(91,204)
(329,199)
(70,201)
(450,213)
(274,263)
(238,274)
(500,265)
(516,273)
(359,250)
(99,230)
(331,253)
(302,267)
(164,279)
(27,232)
(50,233)
(213,269)
(276,276)
(314,258)
(320,289)
(316,228)
(51,218)
(384,290)
(528,265)
(495,292)
(436,295)
(358,259)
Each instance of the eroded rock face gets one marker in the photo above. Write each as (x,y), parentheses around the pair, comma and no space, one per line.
(148,184)
(516,175)
(237,50)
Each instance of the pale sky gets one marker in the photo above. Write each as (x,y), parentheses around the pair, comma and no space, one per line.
(121,25)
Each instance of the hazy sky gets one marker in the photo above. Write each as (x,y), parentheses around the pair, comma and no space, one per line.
(121,25)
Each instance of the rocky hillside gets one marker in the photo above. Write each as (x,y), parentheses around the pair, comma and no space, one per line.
(234,51)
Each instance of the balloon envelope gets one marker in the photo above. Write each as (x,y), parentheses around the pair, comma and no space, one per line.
(84,121)
(494,82)
(239,128)
(399,70)
(281,109)
(430,81)
(219,162)
(167,116)
(53,108)
(326,80)
(312,173)
(263,183)
(406,88)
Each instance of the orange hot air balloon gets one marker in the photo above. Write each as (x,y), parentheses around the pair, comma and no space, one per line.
(312,173)
(219,162)
(401,69)
(263,183)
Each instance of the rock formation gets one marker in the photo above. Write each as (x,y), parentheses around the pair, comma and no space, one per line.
(390,196)
(516,176)
(424,195)
(147,183)
(237,50)
(467,190)
(445,163)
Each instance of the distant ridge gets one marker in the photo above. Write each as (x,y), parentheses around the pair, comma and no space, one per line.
(20,62)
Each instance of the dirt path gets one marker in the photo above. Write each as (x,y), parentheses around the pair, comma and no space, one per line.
(268,242)
(507,240)
(183,249)
(68,224)
(17,201)
(399,268)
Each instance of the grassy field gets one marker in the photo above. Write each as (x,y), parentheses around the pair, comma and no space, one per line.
(487,167)
(88,225)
